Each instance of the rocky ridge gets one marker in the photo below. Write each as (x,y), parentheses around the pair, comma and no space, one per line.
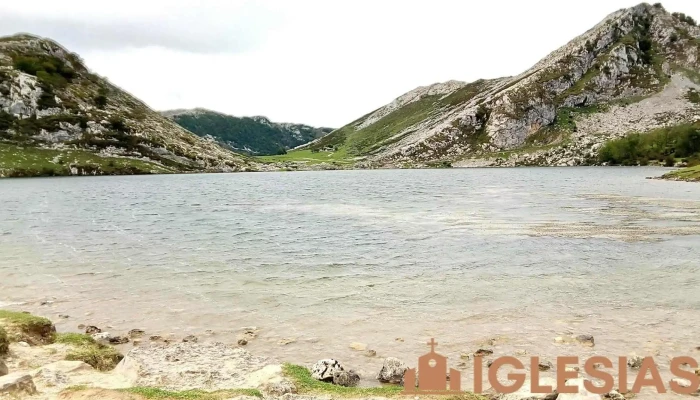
(50,100)
(614,79)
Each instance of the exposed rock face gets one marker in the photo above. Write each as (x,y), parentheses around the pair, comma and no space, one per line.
(3,368)
(48,98)
(392,371)
(17,384)
(324,370)
(631,72)
(182,366)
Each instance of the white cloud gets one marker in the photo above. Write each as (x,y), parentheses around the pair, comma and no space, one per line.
(317,62)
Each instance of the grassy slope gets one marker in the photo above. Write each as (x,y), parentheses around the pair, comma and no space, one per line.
(32,161)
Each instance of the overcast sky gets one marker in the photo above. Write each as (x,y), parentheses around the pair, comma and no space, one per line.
(324,62)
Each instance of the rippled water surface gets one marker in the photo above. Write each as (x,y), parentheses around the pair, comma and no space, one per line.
(325,259)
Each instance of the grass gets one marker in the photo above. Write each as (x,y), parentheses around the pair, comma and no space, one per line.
(691,174)
(99,356)
(307,156)
(75,339)
(301,376)
(155,393)
(305,384)
(87,350)
(23,327)
(32,161)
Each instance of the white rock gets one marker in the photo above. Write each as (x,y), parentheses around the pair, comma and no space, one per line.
(582,394)
(323,370)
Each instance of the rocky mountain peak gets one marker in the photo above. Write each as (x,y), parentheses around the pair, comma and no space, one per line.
(629,56)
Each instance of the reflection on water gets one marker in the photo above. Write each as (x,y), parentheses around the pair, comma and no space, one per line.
(325,259)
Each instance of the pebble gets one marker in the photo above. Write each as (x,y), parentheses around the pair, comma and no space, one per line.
(242,342)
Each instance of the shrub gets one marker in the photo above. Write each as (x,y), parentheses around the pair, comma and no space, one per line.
(6,120)
(4,342)
(669,161)
(665,144)
(101,98)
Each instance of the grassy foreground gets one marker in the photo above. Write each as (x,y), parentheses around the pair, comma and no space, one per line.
(25,327)
(17,161)
(691,174)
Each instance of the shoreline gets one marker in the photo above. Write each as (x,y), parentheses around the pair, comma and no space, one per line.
(147,368)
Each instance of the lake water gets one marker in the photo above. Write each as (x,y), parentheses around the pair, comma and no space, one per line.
(507,259)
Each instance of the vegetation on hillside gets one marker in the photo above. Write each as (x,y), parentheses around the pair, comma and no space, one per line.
(665,145)
(28,161)
(248,135)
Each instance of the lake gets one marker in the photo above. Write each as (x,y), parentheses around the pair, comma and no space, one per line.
(508,259)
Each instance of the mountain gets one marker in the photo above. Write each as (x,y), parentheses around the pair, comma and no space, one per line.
(635,71)
(58,118)
(251,135)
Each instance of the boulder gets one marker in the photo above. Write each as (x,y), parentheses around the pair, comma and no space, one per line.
(483,352)
(347,378)
(16,384)
(242,342)
(324,370)
(184,366)
(586,340)
(635,362)
(118,340)
(91,330)
(392,371)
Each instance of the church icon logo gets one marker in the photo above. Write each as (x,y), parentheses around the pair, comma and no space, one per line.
(433,375)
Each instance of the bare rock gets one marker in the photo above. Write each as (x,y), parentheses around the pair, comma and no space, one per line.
(684,383)
(136,333)
(190,338)
(118,340)
(3,369)
(358,346)
(183,366)
(583,393)
(242,342)
(17,384)
(324,370)
(614,395)
(347,378)
(277,389)
(392,371)
(371,353)
(156,338)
